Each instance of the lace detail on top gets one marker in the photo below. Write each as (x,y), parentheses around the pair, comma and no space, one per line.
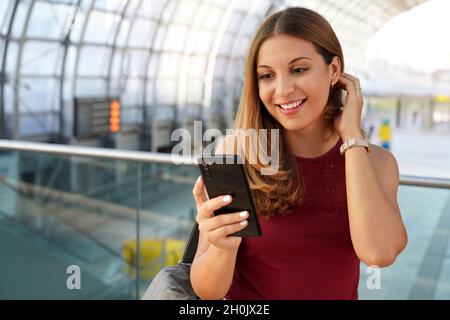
(324,182)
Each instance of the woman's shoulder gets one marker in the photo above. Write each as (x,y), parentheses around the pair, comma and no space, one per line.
(383,160)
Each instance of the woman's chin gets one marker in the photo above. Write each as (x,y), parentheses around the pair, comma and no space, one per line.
(292,126)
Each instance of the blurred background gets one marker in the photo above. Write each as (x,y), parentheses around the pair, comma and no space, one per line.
(91,91)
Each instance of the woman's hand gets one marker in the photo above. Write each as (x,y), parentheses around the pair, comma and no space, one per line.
(217,228)
(348,123)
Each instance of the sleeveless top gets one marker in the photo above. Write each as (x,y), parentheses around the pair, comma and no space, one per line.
(308,253)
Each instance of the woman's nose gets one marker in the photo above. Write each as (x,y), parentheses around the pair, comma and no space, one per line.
(284,87)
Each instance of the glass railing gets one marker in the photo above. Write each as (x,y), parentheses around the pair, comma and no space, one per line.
(62,212)
(422,271)
(120,216)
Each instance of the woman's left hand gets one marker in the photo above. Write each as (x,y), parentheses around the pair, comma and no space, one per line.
(348,123)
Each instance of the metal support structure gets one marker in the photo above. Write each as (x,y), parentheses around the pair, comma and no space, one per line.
(66,44)
(3,76)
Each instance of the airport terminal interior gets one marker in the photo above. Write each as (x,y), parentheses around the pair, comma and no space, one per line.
(91,92)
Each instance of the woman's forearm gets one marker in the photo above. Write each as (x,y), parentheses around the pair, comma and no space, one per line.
(212,273)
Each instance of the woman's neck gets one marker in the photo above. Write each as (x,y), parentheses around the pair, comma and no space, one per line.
(311,142)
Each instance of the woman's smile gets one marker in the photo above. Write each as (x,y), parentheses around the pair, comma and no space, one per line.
(291,108)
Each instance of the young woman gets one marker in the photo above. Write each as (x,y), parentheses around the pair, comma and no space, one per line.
(323,212)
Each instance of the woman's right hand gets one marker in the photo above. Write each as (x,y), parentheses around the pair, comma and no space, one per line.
(217,228)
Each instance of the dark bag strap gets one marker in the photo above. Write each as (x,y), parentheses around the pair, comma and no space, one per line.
(191,246)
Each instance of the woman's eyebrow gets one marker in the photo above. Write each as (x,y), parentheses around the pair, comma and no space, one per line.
(290,62)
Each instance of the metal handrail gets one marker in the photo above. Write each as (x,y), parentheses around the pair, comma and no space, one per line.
(153,157)
(94,152)
(426,182)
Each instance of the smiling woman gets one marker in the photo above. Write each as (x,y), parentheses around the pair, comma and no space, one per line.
(331,205)
(285,88)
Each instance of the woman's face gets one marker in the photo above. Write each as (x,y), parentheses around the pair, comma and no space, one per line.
(294,81)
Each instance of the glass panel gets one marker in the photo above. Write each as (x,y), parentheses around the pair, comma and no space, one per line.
(20,17)
(250,25)
(68,218)
(152,8)
(13,51)
(94,61)
(41,58)
(138,61)
(422,271)
(167,194)
(174,39)
(226,46)
(133,94)
(219,89)
(124,32)
(90,88)
(2,44)
(167,13)
(164,113)
(166,91)
(9,104)
(160,37)
(70,62)
(80,21)
(101,27)
(185,11)
(4,6)
(168,65)
(221,65)
(110,5)
(37,124)
(131,115)
(235,22)
(38,94)
(203,43)
(194,91)
(197,66)
(142,33)
(150,92)
(214,15)
(153,66)
(242,46)
(116,66)
(49,20)
(115,87)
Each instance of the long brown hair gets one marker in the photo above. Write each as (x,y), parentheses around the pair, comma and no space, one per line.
(280,192)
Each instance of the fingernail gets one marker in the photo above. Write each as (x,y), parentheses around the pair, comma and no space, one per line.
(227,199)
(243,223)
(198,179)
(243,214)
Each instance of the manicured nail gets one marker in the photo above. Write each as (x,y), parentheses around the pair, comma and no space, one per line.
(243,222)
(227,198)
(243,214)
(198,179)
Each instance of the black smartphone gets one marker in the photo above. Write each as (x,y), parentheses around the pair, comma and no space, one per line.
(225,175)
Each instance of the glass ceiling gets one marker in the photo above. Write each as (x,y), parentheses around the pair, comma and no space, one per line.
(167,60)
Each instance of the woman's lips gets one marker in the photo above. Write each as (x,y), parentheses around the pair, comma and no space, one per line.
(292,111)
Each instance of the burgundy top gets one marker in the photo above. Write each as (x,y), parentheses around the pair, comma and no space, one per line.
(307,254)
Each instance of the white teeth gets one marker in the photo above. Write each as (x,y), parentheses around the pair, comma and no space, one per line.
(291,105)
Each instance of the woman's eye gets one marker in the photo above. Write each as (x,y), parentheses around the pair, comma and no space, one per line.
(265,76)
(299,70)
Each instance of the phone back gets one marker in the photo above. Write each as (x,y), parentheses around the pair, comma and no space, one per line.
(222,175)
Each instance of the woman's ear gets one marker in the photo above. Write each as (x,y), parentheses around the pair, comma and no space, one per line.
(335,69)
